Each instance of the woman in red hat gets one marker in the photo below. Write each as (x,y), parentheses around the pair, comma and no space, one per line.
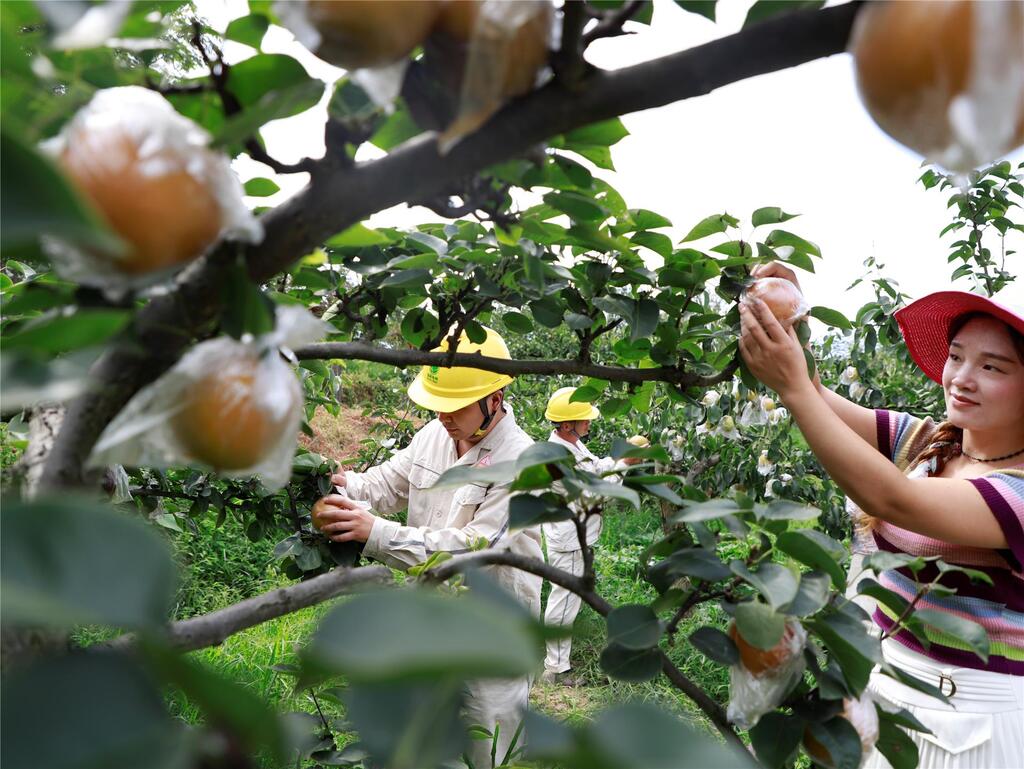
(953,489)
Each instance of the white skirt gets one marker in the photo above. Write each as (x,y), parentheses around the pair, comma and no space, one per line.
(981,728)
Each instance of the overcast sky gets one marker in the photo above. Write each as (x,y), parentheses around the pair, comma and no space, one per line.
(798,139)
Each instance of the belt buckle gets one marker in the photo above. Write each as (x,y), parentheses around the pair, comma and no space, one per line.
(943,678)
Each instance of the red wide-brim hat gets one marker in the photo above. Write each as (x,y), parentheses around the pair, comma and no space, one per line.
(925,325)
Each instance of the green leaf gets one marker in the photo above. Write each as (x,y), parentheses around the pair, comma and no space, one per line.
(644,736)
(709,226)
(398,128)
(222,701)
(418,325)
(812,594)
(964,630)
(839,737)
(770,215)
(633,665)
(643,319)
(704,511)
(850,645)
(576,205)
(765,9)
(261,188)
(776,583)
(357,236)
(367,638)
(778,238)
(818,550)
(716,645)
(517,323)
(109,713)
(656,241)
(529,510)
(37,199)
(759,624)
(253,78)
(279,103)
(896,745)
(248,30)
(692,562)
(78,576)
(705,8)
(832,318)
(775,738)
(54,334)
(633,626)
(407,278)
(247,310)
(784,510)
(648,220)
(605,134)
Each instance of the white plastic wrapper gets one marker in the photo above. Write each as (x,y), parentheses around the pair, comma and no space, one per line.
(959,67)
(751,696)
(382,81)
(862,714)
(232,406)
(150,172)
(503,34)
(783,298)
(122,485)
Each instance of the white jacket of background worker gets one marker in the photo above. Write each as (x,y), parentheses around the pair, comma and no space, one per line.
(449,519)
(561,536)
(565,553)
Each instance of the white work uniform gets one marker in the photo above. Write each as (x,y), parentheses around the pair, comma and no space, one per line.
(564,552)
(452,520)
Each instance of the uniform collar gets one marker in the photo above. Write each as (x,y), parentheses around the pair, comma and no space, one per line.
(578,449)
(497,434)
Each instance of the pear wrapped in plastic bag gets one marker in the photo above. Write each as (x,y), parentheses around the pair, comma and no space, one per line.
(229,405)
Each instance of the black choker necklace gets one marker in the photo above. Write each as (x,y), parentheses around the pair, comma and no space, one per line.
(960,450)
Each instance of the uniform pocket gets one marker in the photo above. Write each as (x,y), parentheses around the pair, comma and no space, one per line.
(470,495)
(422,477)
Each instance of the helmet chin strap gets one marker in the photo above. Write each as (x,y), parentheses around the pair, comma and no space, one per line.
(488,416)
(578,436)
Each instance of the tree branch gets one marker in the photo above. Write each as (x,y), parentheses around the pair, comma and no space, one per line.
(611,24)
(462,563)
(403,358)
(211,629)
(161,331)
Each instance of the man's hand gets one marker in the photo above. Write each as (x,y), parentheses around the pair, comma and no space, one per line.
(338,479)
(342,520)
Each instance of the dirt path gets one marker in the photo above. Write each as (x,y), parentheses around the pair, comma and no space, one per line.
(337,437)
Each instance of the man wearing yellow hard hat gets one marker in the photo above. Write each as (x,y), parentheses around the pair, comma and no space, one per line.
(474,426)
(572,424)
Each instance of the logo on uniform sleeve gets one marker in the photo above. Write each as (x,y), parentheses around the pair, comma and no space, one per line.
(484,461)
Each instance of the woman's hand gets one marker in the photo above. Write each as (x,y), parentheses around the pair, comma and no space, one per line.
(341,519)
(772,353)
(776,270)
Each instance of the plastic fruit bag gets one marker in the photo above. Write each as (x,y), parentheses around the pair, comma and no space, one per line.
(506,47)
(761,679)
(945,79)
(783,298)
(229,405)
(150,174)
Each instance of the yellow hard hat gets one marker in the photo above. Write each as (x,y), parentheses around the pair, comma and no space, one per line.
(561,410)
(444,389)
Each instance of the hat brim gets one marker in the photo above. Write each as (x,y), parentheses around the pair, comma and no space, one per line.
(925,325)
(434,402)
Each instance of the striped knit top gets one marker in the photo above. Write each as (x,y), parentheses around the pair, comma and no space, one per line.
(999,607)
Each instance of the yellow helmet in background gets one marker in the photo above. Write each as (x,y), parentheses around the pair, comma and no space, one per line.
(561,410)
(444,389)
